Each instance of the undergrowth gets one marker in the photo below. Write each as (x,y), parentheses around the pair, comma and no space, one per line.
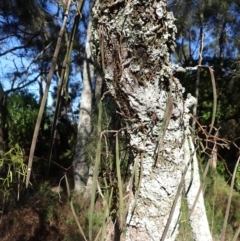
(216,194)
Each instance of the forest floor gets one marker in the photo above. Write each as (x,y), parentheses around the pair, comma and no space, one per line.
(40,216)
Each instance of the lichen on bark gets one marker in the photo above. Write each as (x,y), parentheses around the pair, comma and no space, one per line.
(138,37)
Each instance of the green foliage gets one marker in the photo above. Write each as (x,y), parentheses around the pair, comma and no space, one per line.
(221,168)
(22,114)
(44,189)
(13,170)
(49,201)
(98,220)
(216,198)
(237,180)
(184,227)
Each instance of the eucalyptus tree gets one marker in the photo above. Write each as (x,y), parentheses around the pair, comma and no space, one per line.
(133,41)
(81,162)
(90,97)
(3,122)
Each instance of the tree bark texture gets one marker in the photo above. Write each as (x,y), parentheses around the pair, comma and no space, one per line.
(137,38)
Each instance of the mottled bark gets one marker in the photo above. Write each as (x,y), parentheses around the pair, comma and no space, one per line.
(81,163)
(159,183)
(138,37)
(137,42)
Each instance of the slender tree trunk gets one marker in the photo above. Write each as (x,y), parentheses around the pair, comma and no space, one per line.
(198,217)
(81,163)
(3,122)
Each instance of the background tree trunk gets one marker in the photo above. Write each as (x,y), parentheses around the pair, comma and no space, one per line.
(81,163)
(3,122)
(198,217)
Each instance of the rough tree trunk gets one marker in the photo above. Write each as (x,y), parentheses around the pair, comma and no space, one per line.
(138,37)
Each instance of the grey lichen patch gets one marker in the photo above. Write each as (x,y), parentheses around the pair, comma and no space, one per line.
(135,67)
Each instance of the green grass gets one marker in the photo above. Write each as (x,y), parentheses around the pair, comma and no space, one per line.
(216,198)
